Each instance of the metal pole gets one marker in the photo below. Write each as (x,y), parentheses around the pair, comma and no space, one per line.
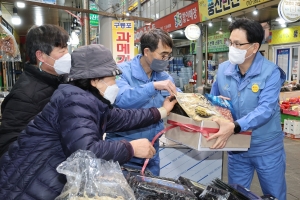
(199,58)
(86,22)
(140,13)
(206,53)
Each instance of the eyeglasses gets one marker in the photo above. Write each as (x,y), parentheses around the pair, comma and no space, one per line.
(235,44)
(166,57)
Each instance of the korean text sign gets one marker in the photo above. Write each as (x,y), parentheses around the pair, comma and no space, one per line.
(123,40)
(174,21)
(210,9)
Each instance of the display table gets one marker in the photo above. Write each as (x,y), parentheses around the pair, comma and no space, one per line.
(286,116)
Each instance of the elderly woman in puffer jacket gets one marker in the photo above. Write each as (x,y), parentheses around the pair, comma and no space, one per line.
(76,117)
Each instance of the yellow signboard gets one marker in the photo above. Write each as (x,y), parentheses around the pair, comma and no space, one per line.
(123,40)
(210,9)
(285,35)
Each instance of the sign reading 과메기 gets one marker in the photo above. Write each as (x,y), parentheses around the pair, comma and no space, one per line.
(123,40)
(209,9)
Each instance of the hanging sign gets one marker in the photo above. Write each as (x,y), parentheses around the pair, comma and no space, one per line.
(94,19)
(192,32)
(174,21)
(210,9)
(217,43)
(289,10)
(123,40)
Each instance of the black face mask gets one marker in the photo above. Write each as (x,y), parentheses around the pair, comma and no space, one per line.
(159,65)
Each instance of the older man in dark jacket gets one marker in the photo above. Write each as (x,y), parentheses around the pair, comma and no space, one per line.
(45,45)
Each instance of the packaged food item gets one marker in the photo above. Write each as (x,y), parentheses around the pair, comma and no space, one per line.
(92,178)
(200,107)
(9,50)
(147,188)
(223,106)
(195,187)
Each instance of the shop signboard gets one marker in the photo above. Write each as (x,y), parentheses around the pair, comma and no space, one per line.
(174,21)
(123,40)
(285,35)
(217,43)
(94,19)
(210,9)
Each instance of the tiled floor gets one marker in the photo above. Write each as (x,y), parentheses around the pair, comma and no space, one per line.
(292,148)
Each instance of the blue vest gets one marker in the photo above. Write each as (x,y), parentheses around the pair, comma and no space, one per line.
(244,94)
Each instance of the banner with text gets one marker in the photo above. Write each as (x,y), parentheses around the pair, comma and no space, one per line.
(123,40)
(174,21)
(217,43)
(210,9)
(285,35)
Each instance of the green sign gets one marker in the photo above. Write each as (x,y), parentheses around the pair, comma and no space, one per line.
(217,43)
(94,19)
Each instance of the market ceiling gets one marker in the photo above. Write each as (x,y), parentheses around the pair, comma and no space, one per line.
(52,14)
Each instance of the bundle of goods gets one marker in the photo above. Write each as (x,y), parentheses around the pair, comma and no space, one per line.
(92,178)
(9,50)
(199,107)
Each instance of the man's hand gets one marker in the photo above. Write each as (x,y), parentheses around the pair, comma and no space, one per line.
(165,85)
(169,103)
(142,148)
(225,131)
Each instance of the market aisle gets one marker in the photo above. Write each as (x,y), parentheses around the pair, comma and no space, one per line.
(292,148)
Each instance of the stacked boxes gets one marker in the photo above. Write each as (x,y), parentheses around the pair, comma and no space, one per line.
(292,128)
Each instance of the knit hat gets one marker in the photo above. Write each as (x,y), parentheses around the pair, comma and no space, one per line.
(92,61)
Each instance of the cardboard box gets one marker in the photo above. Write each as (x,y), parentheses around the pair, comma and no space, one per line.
(195,140)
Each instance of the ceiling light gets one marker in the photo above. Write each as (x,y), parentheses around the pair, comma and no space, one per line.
(283,25)
(171,35)
(16,20)
(229,18)
(280,20)
(20,4)
(210,24)
(255,12)
(127,14)
(220,31)
(182,32)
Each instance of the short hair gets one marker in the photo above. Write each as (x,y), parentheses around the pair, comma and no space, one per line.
(150,39)
(254,30)
(45,38)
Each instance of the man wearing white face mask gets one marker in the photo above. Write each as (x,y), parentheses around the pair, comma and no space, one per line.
(144,84)
(46,47)
(253,85)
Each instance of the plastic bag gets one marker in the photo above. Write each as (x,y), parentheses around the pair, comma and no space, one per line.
(91,178)
(223,106)
(9,50)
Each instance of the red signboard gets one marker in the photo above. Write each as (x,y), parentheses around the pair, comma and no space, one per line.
(174,21)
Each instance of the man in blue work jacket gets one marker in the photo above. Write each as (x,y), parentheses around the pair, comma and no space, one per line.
(253,85)
(144,84)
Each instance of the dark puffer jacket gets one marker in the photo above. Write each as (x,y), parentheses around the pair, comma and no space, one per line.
(73,119)
(27,98)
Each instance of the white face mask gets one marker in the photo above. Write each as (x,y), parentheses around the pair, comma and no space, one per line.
(62,65)
(111,92)
(237,56)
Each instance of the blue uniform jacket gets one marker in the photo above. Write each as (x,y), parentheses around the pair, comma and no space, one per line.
(73,119)
(137,91)
(255,101)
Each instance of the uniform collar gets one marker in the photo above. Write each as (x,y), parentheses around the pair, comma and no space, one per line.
(254,69)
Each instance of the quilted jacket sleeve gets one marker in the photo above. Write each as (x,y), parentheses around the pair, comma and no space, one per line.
(79,124)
